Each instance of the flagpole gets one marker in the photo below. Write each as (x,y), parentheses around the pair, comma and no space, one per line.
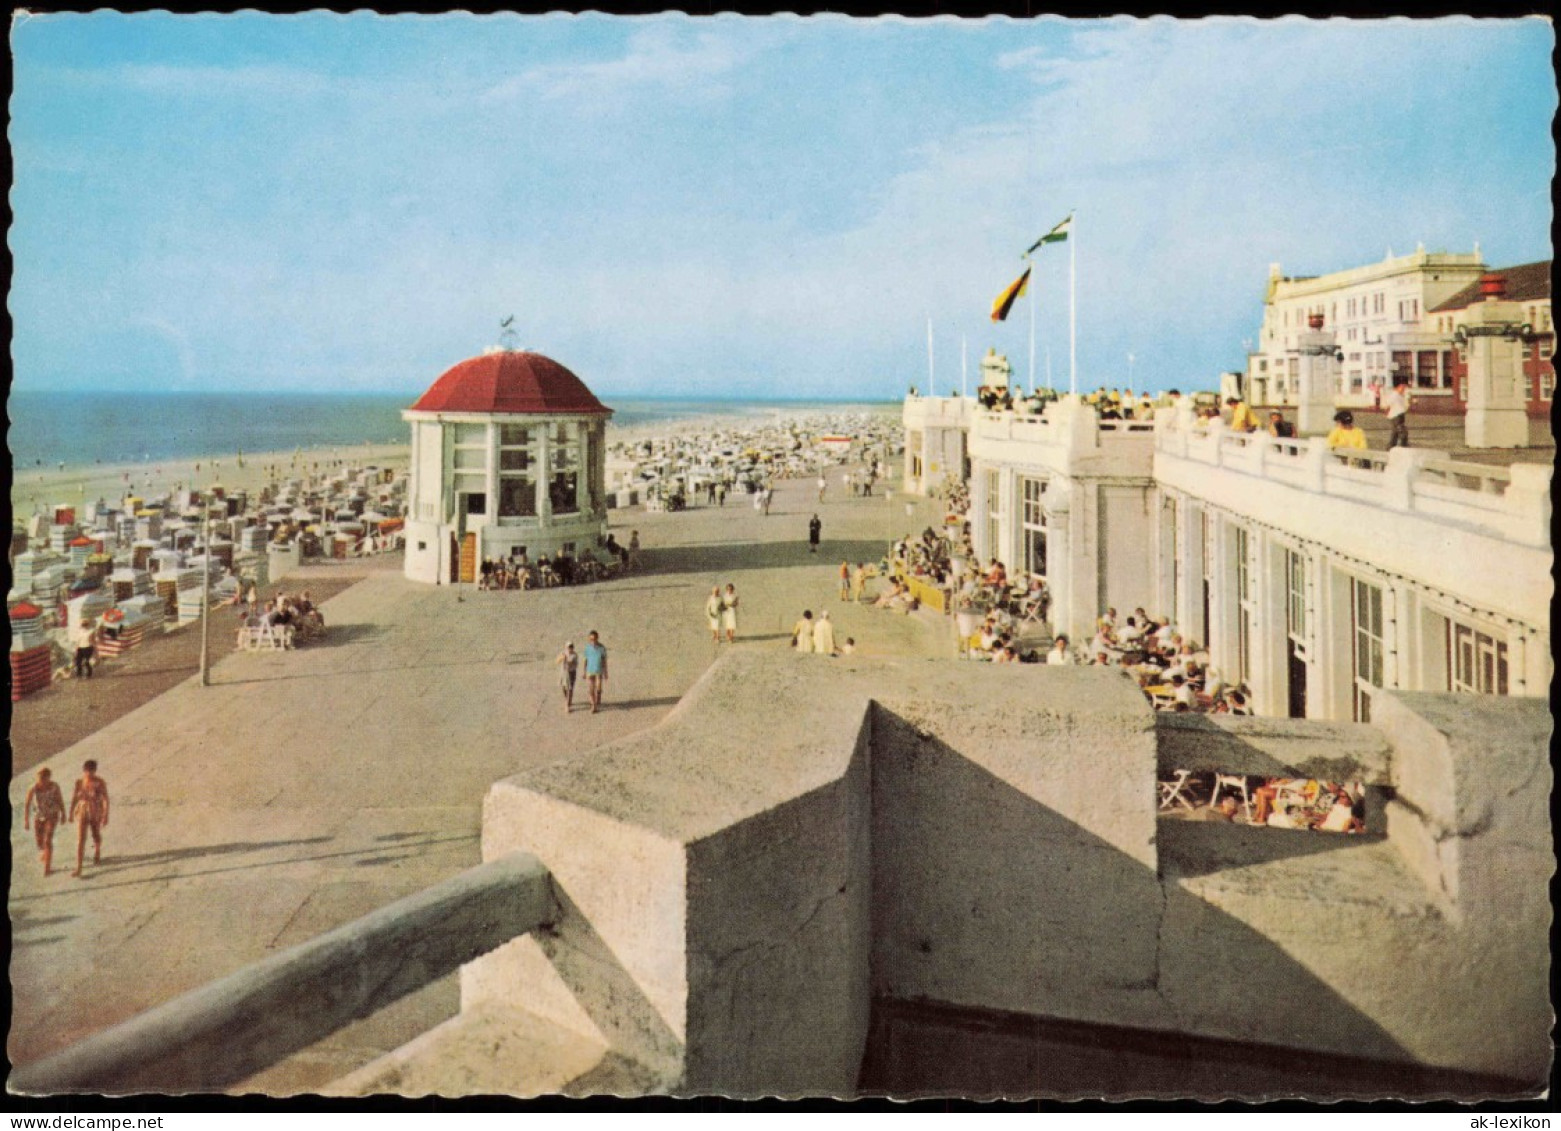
(1032,340)
(931,380)
(1073,324)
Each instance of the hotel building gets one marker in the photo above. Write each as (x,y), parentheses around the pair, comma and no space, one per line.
(1317,580)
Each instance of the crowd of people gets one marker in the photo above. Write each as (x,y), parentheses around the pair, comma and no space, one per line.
(1174,673)
(290,620)
(518,571)
(1274,801)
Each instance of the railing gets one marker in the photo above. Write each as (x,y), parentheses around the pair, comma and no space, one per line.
(1413,480)
(230,1029)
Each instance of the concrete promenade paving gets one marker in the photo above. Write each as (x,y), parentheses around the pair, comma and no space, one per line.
(305,789)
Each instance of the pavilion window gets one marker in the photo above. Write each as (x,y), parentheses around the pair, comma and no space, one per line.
(1426,374)
(517,496)
(1402,365)
(562,490)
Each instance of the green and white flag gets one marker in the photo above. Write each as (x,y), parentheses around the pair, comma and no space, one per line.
(1056,235)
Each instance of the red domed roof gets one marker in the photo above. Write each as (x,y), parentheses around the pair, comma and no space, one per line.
(509,381)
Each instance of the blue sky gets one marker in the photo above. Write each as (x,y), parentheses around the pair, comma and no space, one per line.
(731,206)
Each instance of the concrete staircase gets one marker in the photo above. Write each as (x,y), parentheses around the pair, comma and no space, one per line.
(489,1051)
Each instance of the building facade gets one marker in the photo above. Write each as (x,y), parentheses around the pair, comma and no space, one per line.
(1064,496)
(508,455)
(1319,580)
(1367,307)
(1528,287)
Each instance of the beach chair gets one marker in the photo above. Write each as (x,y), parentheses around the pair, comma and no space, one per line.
(1233,782)
(1171,792)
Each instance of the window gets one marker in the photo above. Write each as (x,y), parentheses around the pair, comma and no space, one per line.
(471,434)
(1547,383)
(514,435)
(476,503)
(1034,523)
(1476,663)
(993,513)
(1295,600)
(1368,624)
(471,459)
(1246,602)
(563,491)
(517,496)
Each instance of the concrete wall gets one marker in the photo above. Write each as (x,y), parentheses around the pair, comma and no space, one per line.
(739,883)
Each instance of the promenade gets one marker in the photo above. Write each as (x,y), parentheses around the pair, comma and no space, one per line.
(305,789)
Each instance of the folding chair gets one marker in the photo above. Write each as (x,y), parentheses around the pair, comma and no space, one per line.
(1171,791)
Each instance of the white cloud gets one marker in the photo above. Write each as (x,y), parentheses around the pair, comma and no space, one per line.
(659,57)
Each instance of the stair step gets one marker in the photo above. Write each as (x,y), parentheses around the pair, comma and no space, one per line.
(489,1051)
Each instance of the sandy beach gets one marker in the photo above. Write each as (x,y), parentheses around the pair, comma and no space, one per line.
(41,488)
(33,489)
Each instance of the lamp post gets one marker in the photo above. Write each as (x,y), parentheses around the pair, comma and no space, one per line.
(206,601)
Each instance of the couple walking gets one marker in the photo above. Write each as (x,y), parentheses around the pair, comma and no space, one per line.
(88,808)
(814,636)
(721,613)
(568,662)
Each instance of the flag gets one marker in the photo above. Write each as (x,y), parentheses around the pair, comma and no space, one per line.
(1056,235)
(1005,301)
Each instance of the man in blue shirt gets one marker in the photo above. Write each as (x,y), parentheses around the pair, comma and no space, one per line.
(595,654)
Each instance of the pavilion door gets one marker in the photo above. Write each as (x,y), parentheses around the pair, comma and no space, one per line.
(469,558)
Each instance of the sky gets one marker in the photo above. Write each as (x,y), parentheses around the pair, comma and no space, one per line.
(728,206)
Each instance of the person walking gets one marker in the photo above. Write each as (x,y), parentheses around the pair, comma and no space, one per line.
(815,527)
(802,633)
(84,637)
(824,635)
(595,669)
(1397,403)
(822,483)
(45,796)
(568,668)
(845,581)
(859,582)
(89,809)
(713,614)
(729,613)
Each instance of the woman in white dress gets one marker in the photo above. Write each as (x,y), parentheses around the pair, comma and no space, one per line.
(729,613)
(713,614)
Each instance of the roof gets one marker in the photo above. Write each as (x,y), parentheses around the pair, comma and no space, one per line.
(1525,283)
(510,381)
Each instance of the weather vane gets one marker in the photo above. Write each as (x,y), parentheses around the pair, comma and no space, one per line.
(507,333)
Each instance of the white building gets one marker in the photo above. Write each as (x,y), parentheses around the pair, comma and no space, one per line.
(1318,580)
(935,430)
(508,454)
(1367,307)
(1048,493)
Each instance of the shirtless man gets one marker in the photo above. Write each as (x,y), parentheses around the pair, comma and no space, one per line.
(45,794)
(89,809)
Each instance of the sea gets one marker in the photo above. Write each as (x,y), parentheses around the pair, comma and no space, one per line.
(83,428)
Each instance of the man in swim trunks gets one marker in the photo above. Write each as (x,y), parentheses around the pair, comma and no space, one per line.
(89,809)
